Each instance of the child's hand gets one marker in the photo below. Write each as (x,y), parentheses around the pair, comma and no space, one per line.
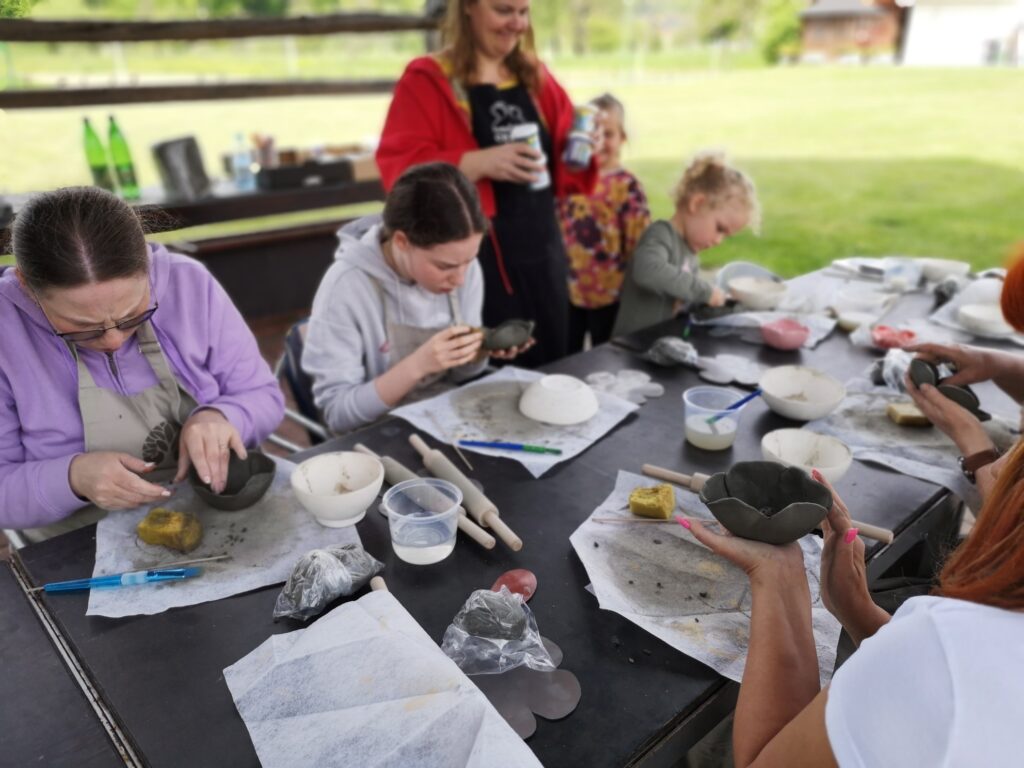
(718,297)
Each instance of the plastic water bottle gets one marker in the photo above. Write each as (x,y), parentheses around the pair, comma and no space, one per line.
(241,166)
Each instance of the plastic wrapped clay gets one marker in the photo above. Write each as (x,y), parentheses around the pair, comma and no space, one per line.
(490,614)
(511,333)
(671,350)
(657,501)
(172,529)
(323,575)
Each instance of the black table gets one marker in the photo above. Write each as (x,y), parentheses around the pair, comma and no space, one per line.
(46,718)
(642,700)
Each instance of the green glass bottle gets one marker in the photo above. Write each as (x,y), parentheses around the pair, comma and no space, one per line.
(122,160)
(96,156)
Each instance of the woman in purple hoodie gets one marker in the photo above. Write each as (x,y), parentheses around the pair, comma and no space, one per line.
(121,364)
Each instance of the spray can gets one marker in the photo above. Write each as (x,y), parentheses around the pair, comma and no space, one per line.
(580,147)
(529,134)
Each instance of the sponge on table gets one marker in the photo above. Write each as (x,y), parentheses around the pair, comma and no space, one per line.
(657,502)
(167,528)
(906,415)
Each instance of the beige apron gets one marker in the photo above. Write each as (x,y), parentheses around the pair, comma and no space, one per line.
(146,425)
(403,340)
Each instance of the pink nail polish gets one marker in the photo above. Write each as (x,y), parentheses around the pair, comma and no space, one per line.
(683,522)
(851,535)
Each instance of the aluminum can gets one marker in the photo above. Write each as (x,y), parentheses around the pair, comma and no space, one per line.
(529,134)
(580,147)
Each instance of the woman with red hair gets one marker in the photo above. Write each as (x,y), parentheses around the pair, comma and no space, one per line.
(938,683)
(975,364)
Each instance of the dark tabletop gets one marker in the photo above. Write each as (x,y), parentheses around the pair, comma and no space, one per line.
(45,717)
(162,674)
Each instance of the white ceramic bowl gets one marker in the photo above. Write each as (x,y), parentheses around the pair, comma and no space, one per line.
(558,399)
(851,321)
(757,292)
(936,270)
(801,393)
(984,319)
(808,450)
(338,487)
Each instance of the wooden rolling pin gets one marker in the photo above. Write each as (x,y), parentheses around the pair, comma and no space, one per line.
(377,583)
(480,508)
(696,481)
(395,473)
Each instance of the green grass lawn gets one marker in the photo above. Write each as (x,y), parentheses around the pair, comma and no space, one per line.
(847,161)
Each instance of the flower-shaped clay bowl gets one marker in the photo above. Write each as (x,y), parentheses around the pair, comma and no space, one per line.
(808,450)
(248,480)
(766,501)
(558,399)
(801,393)
(337,487)
(757,293)
(511,333)
(785,333)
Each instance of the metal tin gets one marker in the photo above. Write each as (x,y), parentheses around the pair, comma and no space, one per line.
(578,150)
(529,134)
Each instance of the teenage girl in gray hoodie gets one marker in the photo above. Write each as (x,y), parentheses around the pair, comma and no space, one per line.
(399,310)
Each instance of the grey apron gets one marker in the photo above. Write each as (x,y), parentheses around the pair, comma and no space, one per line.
(403,340)
(146,425)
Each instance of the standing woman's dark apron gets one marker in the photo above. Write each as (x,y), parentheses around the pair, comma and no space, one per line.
(523,255)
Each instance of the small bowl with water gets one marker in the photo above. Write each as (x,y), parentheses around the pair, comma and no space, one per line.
(423,518)
(699,405)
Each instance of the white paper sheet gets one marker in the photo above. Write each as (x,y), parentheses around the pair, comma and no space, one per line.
(264,541)
(365,686)
(488,410)
(663,580)
(860,421)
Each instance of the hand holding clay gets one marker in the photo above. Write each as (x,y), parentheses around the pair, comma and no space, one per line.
(448,348)
(206,440)
(954,420)
(110,480)
(717,298)
(972,364)
(512,352)
(844,581)
(769,564)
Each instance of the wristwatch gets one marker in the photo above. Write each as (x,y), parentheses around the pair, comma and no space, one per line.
(969,465)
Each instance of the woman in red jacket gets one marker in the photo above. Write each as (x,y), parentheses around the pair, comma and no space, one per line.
(469,106)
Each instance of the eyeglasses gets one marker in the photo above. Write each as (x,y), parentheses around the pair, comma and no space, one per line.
(124,325)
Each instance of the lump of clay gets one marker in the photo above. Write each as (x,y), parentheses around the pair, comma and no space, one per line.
(657,501)
(168,528)
(670,350)
(495,615)
(511,333)
(766,501)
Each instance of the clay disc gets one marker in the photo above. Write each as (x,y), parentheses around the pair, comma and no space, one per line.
(519,581)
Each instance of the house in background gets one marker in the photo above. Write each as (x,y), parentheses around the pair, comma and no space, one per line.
(965,33)
(838,29)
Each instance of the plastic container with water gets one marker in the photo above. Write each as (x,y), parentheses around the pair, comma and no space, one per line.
(700,404)
(423,518)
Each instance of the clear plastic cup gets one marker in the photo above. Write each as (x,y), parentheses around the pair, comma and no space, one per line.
(700,404)
(423,518)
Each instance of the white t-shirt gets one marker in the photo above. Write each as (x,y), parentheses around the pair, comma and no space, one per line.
(942,684)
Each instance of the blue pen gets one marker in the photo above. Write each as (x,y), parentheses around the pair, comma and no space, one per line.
(511,447)
(738,404)
(128,579)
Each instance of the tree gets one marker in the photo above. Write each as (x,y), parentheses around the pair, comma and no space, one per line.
(726,19)
(779,29)
(14,9)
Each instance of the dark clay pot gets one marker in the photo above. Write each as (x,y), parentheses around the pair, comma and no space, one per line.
(766,501)
(511,333)
(248,481)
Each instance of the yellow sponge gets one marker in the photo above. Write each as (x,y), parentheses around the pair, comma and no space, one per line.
(166,528)
(906,415)
(657,502)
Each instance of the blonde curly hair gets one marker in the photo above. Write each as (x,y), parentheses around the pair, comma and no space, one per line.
(709,173)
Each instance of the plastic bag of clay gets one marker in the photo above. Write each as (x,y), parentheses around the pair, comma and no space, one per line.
(890,370)
(493,633)
(322,576)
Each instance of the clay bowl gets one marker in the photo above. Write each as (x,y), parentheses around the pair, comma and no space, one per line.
(336,488)
(808,450)
(511,333)
(248,481)
(558,399)
(984,320)
(923,372)
(757,293)
(785,334)
(766,501)
(801,393)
